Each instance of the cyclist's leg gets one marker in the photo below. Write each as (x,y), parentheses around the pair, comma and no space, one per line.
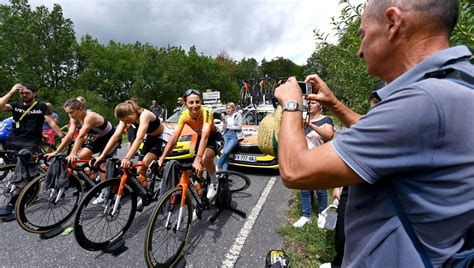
(152,149)
(211,151)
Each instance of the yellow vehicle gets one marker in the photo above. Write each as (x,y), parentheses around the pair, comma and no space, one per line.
(247,153)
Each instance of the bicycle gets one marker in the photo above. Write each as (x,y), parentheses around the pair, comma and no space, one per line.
(245,96)
(9,158)
(52,206)
(101,226)
(170,223)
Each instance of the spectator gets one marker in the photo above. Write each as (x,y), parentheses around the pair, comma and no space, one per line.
(28,118)
(180,103)
(341,194)
(404,158)
(232,134)
(318,130)
(156,108)
(48,132)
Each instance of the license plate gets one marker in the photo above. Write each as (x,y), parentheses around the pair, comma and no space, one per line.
(245,158)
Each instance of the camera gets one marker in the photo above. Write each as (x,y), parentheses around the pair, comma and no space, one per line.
(306,88)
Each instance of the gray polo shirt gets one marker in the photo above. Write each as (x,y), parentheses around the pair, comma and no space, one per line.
(419,142)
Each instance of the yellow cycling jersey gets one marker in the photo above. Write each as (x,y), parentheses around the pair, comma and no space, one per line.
(204,123)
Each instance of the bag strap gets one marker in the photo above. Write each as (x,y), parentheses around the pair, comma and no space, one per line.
(456,76)
(409,229)
(26,112)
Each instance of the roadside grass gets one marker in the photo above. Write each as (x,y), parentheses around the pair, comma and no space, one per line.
(308,246)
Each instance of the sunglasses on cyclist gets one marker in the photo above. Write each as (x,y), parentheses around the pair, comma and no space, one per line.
(191,91)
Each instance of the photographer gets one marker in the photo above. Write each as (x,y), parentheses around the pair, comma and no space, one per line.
(411,176)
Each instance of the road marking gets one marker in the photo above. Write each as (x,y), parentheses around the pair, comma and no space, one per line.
(234,252)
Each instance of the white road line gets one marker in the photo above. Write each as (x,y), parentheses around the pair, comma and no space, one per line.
(234,252)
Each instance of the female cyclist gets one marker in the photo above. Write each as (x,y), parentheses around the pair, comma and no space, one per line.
(94,131)
(200,119)
(145,122)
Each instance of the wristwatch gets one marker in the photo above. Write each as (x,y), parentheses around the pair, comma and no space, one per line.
(292,106)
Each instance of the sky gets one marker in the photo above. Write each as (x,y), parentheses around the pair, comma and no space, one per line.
(243,28)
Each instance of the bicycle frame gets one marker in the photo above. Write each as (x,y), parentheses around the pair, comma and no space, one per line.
(123,180)
(186,183)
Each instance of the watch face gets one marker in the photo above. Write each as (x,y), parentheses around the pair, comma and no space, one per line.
(292,105)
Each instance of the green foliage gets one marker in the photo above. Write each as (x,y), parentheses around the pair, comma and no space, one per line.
(464,32)
(281,67)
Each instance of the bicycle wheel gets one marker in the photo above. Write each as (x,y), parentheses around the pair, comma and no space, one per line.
(40,209)
(5,186)
(95,226)
(237,181)
(164,242)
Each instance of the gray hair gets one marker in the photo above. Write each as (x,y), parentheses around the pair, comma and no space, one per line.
(442,12)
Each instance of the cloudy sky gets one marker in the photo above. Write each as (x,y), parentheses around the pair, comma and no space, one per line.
(244,28)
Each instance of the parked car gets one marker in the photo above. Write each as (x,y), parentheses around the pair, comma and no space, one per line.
(247,153)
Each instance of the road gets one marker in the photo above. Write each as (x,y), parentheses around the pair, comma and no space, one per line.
(229,241)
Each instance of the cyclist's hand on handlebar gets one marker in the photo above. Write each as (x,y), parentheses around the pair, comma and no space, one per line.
(125,163)
(71,158)
(97,160)
(161,160)
(48,156)
(198,166)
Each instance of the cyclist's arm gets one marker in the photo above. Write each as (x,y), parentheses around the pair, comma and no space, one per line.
(205,132)
(144,121)
(113,140)
(49,119)
(88,123)
(4,106)
(68,137)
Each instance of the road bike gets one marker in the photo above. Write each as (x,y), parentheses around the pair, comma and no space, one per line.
(8,160)
(53,206)
(101,226)
(170,224)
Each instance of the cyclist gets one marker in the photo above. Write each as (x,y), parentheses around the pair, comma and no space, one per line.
(94,132)
(200,119)
(28,118)
(145,122)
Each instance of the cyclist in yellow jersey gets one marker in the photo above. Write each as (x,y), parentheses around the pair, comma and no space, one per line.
(200,119)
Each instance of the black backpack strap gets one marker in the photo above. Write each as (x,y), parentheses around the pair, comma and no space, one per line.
(409,230)
(457,76)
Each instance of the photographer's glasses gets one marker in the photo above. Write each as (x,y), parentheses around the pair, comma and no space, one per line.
(191,91)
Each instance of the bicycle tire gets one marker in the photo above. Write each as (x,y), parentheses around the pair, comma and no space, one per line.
(36,210)
(87,229)
(168,208)
(244,99)
(237,181)
(6,173)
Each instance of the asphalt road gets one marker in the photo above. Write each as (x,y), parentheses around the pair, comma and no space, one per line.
(231,240)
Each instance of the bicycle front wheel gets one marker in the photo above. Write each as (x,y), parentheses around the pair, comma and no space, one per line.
(6,172)
(40,209)
(237,181)
(97,225)
(167,234)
